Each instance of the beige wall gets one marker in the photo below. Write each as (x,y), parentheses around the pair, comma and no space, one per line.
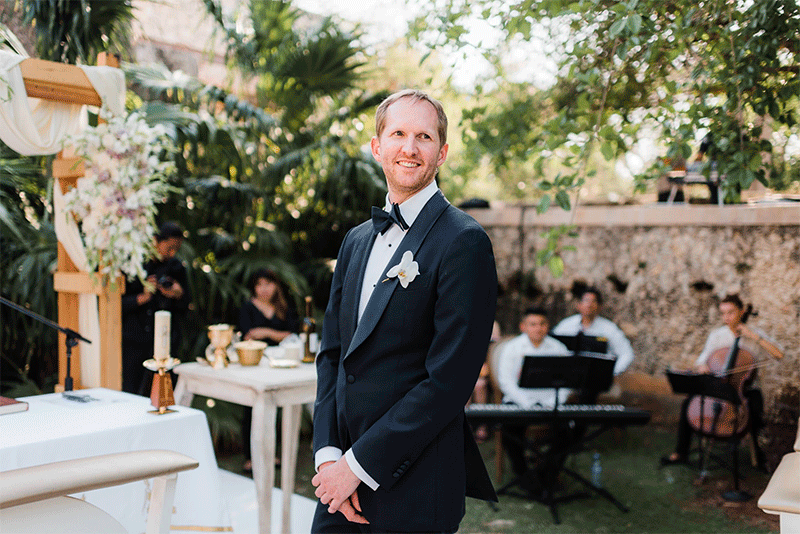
(662,270)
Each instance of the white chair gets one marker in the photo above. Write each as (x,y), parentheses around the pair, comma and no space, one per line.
(35,500)
(782,496)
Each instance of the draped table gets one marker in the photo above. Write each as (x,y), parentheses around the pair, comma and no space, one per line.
(265,389)
(54,429)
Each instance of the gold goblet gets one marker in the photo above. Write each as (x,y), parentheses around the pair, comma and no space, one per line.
(220,336)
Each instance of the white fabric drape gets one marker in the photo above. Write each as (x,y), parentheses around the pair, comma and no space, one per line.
(35,127)
(32,126)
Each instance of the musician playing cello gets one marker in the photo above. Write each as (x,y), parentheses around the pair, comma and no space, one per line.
(751,339)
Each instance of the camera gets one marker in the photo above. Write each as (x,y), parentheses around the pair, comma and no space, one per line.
(166,281)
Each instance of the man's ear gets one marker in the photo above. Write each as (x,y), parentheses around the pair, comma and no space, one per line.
(375,145)
(442,155)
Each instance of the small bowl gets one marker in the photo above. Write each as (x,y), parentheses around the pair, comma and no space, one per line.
(275,353)
(250,351)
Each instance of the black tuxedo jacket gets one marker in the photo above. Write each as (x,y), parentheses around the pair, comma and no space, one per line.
(393,385)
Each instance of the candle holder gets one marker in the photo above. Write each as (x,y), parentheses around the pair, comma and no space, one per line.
(220,336)
(161,396)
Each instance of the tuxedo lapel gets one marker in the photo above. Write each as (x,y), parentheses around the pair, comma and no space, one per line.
(352,293)
(383,292)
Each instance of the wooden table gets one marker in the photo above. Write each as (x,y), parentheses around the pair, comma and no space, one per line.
(265,389)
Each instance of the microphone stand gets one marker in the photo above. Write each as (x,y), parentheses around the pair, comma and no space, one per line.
(72,338)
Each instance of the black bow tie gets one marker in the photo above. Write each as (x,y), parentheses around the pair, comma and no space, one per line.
(382,220)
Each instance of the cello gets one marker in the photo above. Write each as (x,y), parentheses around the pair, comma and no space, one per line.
(715,417)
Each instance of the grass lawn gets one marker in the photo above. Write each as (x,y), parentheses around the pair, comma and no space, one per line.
(660,500)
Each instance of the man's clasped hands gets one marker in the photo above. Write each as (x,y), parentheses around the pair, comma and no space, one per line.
(336,487)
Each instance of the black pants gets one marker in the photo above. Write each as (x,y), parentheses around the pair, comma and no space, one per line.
(514,444)
(327,523)
(135,378)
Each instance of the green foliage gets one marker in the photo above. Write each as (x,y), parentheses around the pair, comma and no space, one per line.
(270,185)
(10,41)
(249,191)
(681,68)
(294,67)
(69,31)
(27,261)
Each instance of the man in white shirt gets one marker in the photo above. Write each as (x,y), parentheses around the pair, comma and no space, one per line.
(588,322)
(533,341)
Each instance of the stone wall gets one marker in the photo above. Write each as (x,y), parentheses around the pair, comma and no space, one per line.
(662,271)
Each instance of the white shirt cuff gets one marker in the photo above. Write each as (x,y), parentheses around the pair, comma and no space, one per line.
(326,454)
(358,471)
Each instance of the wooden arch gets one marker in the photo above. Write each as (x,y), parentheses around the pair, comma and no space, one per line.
(60,82)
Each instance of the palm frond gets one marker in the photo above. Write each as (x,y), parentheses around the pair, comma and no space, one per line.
(69,31)
(10,41)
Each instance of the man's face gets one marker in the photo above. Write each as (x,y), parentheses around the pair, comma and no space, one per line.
(409,148)
(535,326)
(588,306)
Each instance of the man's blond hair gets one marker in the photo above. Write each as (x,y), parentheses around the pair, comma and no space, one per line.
(417,96)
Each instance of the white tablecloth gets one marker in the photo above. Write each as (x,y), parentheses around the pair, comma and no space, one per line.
(54,429)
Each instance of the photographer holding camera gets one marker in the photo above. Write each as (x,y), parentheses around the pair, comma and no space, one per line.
(166,289)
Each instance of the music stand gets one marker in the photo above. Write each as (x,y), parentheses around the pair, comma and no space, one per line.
(575,372)
(580,343)
(704,385)
(708,385)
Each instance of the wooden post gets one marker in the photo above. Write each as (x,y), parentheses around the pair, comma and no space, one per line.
(66,172)
(67,83)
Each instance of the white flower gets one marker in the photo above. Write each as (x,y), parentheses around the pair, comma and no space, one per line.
(115,202)
(406,270)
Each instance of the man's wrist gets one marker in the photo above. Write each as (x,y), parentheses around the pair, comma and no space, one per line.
(326,454)
(359,471)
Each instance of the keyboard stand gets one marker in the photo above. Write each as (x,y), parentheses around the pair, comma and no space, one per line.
(539,482)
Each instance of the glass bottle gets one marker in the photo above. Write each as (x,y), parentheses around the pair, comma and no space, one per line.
(309,326)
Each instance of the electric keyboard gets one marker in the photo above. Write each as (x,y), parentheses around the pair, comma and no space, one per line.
(588,413)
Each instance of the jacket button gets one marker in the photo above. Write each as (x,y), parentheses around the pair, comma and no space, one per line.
(350,379)
(396,475)
(406,463)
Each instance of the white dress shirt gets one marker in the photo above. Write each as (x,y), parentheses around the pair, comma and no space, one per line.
(618,345)
(509,368)
(723,337)
(383,249)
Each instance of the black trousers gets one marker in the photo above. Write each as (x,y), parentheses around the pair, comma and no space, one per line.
(135,378)
(327,523)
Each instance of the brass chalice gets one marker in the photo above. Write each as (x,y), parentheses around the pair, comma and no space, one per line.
(220,336)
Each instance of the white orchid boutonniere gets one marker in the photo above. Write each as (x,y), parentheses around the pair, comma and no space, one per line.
(406,270)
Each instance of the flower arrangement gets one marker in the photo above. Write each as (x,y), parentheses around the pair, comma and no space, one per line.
(114,202)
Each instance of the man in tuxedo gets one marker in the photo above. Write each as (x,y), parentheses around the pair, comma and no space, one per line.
(404,336)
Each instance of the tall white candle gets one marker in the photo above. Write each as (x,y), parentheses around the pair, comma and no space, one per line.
(161,331)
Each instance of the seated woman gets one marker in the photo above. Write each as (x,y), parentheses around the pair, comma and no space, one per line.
(753,340)
(267,316)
